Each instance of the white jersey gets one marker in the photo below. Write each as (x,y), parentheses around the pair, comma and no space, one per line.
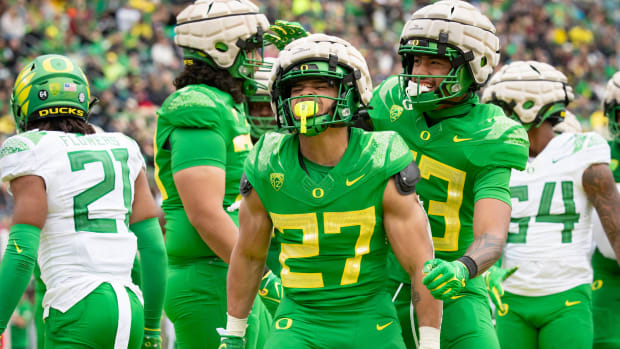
(550,234)
(600,238)
(89,182)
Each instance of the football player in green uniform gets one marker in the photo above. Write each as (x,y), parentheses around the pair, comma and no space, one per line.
(465,151)
(548,300)
(334,195)
(606,285)
(201,142)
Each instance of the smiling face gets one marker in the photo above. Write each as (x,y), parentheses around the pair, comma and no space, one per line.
(430,65)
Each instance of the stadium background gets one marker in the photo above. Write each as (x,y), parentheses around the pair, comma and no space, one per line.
(127,51)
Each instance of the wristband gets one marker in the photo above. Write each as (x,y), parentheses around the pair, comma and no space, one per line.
(470,264)
(430,337)
(236,326)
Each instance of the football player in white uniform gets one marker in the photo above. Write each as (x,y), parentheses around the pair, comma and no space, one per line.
(82,201)
(606,285)
(548,300)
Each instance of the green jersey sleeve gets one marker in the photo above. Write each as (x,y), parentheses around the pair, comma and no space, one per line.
(188,146)
(493,183)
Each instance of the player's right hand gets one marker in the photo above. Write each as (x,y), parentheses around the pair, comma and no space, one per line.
(444,279)
(493,279)
(152,339)
(284,33)
(231,342)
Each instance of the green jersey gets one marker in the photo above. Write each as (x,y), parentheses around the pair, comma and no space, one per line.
(464,157)
(198,125)
(333,243)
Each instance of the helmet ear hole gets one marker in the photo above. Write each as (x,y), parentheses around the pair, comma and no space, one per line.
(528,104)
(222,47)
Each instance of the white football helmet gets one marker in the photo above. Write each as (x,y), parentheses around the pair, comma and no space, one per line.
(611,105)
(530,92)
(217,31)
(570,124)
(458,31)
(320,56)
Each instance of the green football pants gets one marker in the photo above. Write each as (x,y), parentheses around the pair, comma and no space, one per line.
(606,302)
(196,304)
(93,322)
(562,320)
(371,324)
(466,322)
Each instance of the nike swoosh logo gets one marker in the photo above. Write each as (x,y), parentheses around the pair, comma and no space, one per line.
(350,183)
(382,327)
(560,159)
(19,250)
(456,139)
(570,304)
(457,297)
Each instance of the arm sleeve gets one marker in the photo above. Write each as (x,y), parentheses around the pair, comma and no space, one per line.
(493,183)
(16,268)
(154,261)
(197,147)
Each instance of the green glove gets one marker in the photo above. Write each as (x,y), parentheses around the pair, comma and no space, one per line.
(284,33)
(270,291)
(493,278)
(444,279)
(232,342)
(152,339)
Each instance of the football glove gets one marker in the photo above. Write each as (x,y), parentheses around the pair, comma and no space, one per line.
(270,291)
(152,339)
(231,342)
(284,33)
(444,279)
(493,279)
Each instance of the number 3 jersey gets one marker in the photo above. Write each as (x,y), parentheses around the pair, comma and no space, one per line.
(333,243)
(550,234)
(89,181)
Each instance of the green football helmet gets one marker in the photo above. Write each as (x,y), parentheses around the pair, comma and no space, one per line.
(611,106)
(454,30)
(324,57)
(260,114)
(221,33)
(49,86)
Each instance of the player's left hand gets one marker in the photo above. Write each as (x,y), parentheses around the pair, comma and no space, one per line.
(493,279)
(270,291)
(152,339)
(444,279)
(284,33)
(231,342)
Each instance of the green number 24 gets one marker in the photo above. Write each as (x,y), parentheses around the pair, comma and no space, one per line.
(81,201)
(568,218)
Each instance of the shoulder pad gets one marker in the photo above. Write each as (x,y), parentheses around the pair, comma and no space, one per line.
(245,187)
(407,178)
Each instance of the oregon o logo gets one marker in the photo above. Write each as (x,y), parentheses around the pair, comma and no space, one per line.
(303,67)
(597,284)
(284,323)
(425,135)
(318,193)
(47,65)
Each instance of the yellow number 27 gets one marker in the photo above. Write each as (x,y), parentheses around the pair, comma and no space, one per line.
(333,222)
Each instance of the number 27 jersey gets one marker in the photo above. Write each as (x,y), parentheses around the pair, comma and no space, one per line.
(89,183)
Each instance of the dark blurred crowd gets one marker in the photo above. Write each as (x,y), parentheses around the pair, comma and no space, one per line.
(127,51)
